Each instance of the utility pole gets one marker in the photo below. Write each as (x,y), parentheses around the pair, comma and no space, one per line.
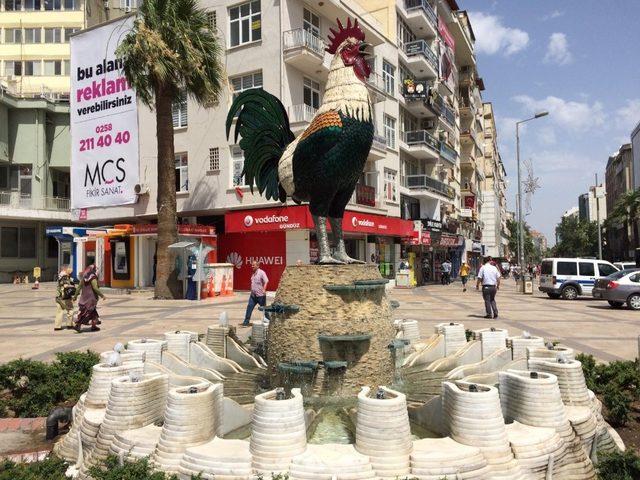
(597,195)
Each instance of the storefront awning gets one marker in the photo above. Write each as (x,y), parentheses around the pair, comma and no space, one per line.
(65,233)
(186,230)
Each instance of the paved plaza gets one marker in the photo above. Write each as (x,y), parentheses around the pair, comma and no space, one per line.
(26,319)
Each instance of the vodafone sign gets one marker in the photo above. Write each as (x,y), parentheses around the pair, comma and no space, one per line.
(377,224)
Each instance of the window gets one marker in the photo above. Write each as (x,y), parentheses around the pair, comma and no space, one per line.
(182,172)
(240,84)
(404,73)
(52,35)
(606,269)
(12,67)
(179,111)
(311,93)
(24,181)
(212,19)
(388,77)
(70,5)
(32,5)
(27,242)
(546,268)
(238,164)
(68,32)
(403,33)
(567,268)
(390,131)
(390,193)
(52,67)
(67,67)
(52,5)
(214,159)
(4,177)
(32,35)
(52,247)
(245,23)
(32,68)
(9,242)
(11,5)
(13,35)
(128,5)
(311,22)
(586,269)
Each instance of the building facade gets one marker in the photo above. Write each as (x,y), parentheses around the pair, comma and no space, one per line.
(34,45)
(619,177)
(635,149)
(34,182)
(592,206)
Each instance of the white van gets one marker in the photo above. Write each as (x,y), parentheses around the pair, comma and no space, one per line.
(570,277)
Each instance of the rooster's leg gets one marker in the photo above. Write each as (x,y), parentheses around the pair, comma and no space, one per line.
(341,252)
(323,240)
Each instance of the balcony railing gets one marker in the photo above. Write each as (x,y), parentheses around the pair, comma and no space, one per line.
(428,183)
(365,195)
(418,137)
(428,10)
(300,38)
(379,142)
(420,47)
(26,202)
(448,153)
(446,112)
(301,113)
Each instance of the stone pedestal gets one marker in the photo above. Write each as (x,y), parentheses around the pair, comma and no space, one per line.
(342,321)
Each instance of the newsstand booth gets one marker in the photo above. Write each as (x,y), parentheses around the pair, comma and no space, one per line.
(281,236)
(66,246)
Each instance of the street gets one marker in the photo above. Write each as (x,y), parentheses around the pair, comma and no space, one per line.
(26,319)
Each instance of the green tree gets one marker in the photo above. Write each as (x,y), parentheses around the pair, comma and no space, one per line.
(530,253)
(625,211)
(576,238)
(170,51)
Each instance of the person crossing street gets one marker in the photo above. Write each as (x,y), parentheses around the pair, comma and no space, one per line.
(489,279)
(464,275)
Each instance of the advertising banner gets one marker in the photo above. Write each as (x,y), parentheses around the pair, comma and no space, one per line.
(104,120)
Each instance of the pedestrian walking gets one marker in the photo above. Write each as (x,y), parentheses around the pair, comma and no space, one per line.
(88,304)
(258,295)
(65,292)
(446,272)
(464,275)
(489,279)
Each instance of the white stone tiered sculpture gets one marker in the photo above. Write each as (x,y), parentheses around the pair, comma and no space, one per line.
(410,331)
(178,342)
(492,339)
(438,458)
(521,343)
(218,459)
(454,336)
(101,378)
(152,347)
(215,339)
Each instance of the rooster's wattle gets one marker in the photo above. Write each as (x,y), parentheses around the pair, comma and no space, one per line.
(323,164)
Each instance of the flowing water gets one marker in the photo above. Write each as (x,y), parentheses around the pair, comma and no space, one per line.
(332,426)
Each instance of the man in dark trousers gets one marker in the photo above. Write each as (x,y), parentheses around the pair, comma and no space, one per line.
(489,278)
(258,296)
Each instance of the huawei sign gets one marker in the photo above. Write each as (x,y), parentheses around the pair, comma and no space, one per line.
(235,259)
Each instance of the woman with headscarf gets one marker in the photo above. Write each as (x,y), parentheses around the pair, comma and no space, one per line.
(87,305)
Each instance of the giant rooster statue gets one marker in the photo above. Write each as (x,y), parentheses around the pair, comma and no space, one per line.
(323,164)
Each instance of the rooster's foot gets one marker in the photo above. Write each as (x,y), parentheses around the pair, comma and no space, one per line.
(329,260)
(342,257)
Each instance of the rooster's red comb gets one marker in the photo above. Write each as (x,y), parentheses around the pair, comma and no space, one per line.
(336,38)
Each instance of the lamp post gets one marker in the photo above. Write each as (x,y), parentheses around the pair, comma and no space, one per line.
(520,219)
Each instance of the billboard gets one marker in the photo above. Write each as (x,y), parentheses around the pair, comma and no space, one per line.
(104,120)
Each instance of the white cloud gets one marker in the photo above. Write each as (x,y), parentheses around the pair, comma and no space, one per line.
(546,135)
(627,117)
(558,50)
(552,15)
(493,37)
(574,116)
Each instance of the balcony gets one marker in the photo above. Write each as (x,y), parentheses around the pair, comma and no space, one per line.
(376,88)
(421,17)
(14,205)
(364,195)
(421,59)
(378,148)
(467,106)
(448,153)
(446,113)
(305,51)
(300,116)
(421,144)
(425,182)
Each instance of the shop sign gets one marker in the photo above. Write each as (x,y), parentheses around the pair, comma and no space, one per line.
(183,229)
(466,212)
(451,240)
(431,224)
(104,120)
(470,201)
(268,219)
(415,88)
(425,238)
(377,224)
(476,246)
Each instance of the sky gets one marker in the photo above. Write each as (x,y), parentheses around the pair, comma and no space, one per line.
(578,59)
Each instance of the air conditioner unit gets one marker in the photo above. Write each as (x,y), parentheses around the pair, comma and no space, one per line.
(141,189)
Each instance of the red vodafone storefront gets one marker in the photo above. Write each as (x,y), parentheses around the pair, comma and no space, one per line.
(282,236)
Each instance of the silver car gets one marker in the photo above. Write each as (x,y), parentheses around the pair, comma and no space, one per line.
(619,288)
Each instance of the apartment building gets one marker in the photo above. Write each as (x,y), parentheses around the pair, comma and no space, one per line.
(619,180)
(592,206)
(495,234)
(34,44)
(34,182)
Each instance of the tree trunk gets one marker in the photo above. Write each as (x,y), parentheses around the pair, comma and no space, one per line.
(166,279)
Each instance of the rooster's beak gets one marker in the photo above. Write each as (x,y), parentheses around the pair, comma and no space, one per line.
(364,49)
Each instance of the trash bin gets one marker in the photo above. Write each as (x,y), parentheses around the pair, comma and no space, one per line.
(528,284)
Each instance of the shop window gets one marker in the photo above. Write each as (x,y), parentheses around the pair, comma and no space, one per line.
(245,23)
(214,159)
(389,77)
(238,164)
(52,247)
(182,172)
(390,131)
(311,93)
(246,82)
(390,185)
(9,242)
(179,111)
(27,242)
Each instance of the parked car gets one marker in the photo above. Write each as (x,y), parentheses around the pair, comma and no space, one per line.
(571,277)
(620,288)
(624,265)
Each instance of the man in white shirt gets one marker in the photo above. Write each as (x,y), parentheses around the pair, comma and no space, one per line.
(446,272)
(489,278)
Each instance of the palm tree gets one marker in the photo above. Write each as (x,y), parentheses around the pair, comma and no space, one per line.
(170,50)
(625,211)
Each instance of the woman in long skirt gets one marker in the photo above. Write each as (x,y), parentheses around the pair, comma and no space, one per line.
(89,294)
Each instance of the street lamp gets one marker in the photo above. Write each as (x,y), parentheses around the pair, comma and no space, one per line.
(520,219)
